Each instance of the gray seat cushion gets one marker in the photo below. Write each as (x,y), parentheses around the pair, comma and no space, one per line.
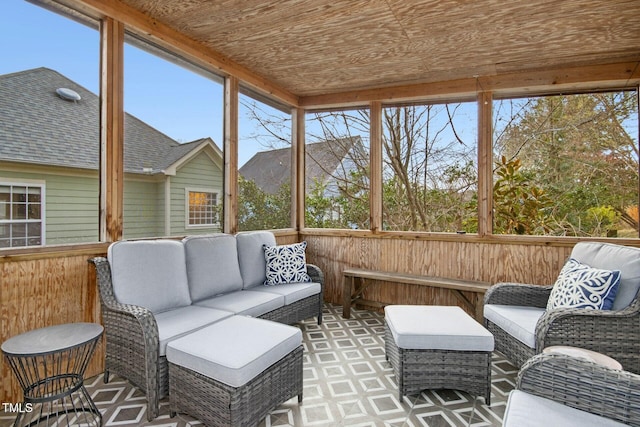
(234,350)
(149,273)
(292,292)
(212,265)
(430,327)
(245,302)
(613,257)
(527,410)
(518,321)
(253,266)
(176,323)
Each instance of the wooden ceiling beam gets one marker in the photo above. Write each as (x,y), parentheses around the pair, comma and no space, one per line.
(569,79)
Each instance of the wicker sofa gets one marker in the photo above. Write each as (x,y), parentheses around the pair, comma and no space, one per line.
(560,390)
(516,313)
(155,291)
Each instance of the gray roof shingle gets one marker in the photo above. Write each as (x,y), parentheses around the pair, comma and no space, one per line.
(271,169)
(38,126)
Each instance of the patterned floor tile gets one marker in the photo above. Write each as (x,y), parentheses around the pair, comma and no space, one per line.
(347,382)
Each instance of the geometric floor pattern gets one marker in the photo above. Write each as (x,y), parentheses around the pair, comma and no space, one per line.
(347,382)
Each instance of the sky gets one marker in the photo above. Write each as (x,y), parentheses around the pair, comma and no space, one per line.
(180,103)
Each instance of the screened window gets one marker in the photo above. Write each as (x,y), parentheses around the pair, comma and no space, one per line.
(202,208)
(430,167)
(172,136)
(567,165)
(21,215)
(337,169)
(264,166)
(49,126)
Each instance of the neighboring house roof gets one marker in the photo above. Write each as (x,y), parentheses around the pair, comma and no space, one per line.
(39,127)
(323,160)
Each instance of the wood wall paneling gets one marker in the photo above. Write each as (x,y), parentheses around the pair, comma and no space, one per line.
(36,293)
(490,262)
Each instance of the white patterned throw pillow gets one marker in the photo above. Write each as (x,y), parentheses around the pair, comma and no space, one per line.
(286,264)
(581,286)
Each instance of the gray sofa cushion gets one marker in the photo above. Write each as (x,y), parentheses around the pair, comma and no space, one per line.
(613,257)
(212,265)
(245,302)
(149,273)
(518,321)
(181,321)
(253,266)
(234,350)
(527,410)
(292,292)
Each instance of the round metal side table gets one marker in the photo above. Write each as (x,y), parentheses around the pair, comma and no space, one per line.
(49,364)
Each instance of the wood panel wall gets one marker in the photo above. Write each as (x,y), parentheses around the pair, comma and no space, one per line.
(46,291)
(537,263)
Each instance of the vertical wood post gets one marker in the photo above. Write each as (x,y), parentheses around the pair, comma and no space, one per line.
(111,129)
(485,164)
(375,166)
(297,168)
(231,86)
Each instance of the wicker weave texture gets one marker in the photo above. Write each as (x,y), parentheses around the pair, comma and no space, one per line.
(418,370)
(512,349)
(583,385)
(219,405)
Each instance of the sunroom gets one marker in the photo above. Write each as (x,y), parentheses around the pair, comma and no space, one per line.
(472,141)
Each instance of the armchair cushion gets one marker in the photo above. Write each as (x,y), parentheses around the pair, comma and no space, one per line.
(613,257)
(286,264)
(518,321)
(149,273)
(581,286)
(527,410)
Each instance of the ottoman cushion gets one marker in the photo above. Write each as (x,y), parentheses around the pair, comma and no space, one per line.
(234,350)
(436,328)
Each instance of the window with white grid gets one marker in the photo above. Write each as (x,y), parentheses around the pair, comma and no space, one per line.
(21,215)
(202,208)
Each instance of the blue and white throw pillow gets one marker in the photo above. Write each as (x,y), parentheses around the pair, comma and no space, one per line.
(581,286)
(286,264)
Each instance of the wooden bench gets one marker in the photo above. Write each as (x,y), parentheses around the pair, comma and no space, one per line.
(352,295)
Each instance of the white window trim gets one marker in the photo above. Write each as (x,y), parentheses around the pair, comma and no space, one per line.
(43,204)
(188,190)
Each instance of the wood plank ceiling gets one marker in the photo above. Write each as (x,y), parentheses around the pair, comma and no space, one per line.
(315,47)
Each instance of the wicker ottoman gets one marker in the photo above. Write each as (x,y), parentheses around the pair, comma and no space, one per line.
(438,347)
(234,372)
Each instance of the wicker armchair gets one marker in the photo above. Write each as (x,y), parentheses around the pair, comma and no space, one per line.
(583,385)
(132,338)
(615,332)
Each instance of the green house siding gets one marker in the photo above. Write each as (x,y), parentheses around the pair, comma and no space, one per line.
(143,210)
(71,205)
(200,173)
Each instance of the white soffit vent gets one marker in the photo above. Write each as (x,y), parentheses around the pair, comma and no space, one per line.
(68,94)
